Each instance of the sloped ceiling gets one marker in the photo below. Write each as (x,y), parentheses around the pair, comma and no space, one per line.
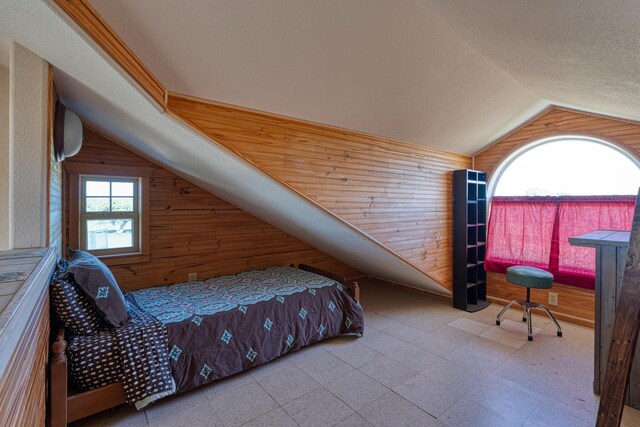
(386,67)
(583,53)
(91,84)
(448,74)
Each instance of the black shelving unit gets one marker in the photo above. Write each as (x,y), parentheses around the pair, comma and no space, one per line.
(469,239)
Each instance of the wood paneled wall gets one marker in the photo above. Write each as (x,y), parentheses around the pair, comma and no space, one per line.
(23,387)
(192,230)
(398,193)
(573,301)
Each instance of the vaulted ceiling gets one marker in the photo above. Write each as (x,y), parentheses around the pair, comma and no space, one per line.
(447,74)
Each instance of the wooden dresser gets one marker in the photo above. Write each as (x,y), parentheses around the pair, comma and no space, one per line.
(611,254)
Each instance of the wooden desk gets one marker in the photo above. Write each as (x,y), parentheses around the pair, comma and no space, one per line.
(611,253)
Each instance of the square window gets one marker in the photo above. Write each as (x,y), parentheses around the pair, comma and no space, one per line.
(110,215)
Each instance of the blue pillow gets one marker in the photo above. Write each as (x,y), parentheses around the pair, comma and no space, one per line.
(96,282)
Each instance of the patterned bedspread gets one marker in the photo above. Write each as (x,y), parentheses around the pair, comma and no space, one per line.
(225,325)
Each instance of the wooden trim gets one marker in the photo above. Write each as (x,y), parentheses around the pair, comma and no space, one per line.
(88,19)
(72,173)
(90,402)
(175,96)
(58,382)
(108,170)
(337,277)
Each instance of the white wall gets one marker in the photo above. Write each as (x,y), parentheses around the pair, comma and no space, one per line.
(28,106)
(4,158)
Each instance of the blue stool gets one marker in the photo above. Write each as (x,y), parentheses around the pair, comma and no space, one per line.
(529,277)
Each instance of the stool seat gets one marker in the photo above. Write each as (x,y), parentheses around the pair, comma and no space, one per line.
(530,277)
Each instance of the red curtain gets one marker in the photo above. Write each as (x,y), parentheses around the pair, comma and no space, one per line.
(520,232)
(535,230)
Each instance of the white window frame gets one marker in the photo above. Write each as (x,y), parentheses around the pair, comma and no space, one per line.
(134,215)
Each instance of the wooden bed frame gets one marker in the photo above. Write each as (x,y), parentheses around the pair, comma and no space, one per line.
(67,405)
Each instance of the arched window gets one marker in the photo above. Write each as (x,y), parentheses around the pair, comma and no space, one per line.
(567,166)
(554,189)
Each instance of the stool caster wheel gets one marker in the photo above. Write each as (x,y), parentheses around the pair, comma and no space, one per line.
(498,322)
(560,333)
(530,338)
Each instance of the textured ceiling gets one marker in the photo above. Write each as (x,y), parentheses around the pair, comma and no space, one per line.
(385,67)
(5,50)
(580,52)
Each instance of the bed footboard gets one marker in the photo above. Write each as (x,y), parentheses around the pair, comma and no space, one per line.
(58,383)
(353,287)
(66,407)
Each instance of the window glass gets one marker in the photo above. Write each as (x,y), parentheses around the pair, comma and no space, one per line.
(110,215)
(97,188)
(109,234)
(570,167)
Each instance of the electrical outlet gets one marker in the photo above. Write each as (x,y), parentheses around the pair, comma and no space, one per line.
(193,277)
(553,298)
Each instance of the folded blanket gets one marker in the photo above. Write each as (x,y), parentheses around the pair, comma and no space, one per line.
(144,357)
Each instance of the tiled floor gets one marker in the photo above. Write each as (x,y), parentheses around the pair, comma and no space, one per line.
(420,363)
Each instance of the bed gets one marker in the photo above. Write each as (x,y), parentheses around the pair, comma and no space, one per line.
(197,333)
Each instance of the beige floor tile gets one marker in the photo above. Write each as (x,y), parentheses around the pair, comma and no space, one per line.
(508,337)
(414,357)
(467,413)
(404,332)
(242,405)
(201,415)
(388,372)
(481,352)
(276,418)
(630,417)
(354,420)
(227,385)
(428,394)
(454,335)
(511,400)
(382,342)
(393,411)
(318,408)
(288,384)
(549,415)
(168,406)
(122,416)
(325,367)
(469,325)
(357,389)
(426,323)
(436,345)
(270,368)
(355,354)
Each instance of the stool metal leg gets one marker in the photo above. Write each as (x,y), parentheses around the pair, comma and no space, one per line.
(503,311)
(559,333)
(524,313)
(528,310)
